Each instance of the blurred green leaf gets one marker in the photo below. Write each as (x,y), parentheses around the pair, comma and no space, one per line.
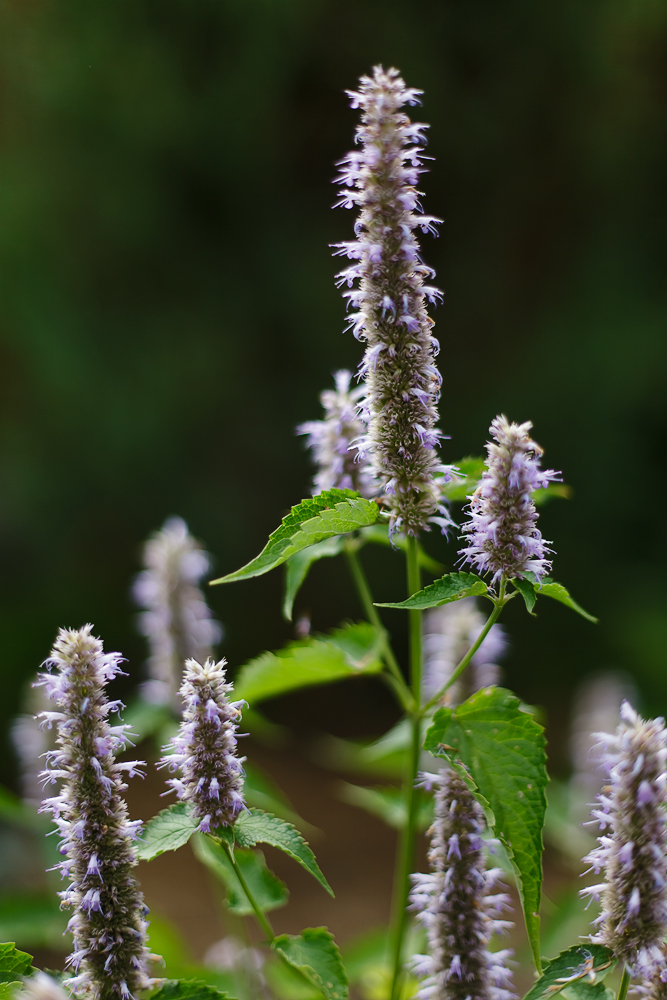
(451,587)
(188,989)
(35,920)
(315,953)
(167,831)
(387,803)
(333,512)
(298,566)
(254,826)
(378,534)
(261,792)
(268,891)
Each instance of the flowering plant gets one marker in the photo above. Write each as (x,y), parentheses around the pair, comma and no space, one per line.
(379,480)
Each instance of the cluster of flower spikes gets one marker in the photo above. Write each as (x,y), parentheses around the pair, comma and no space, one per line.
(449,632)
(204,749)
(632,849)
(334,441)
(108,925)
(460,902)
(503,537)
(176,619)
(402,382)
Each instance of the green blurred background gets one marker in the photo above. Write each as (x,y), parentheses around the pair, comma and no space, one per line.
(169,314)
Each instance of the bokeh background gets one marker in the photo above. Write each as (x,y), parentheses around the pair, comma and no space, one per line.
(169,314)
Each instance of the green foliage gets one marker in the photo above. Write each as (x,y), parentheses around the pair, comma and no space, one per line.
(14,965)
(187,989)
(579,970)
(334,512)
(167,831)
(267,890)
(33,919)
(378,534)
(388,804)
(254,826)
(527,591)
(471,469)
(298,566)
(503,749)
(260,791)
(315,953)
(556,591)
(345,652)
(450,587)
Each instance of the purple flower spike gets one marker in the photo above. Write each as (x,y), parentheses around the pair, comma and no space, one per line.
(108,925)
(632,848)
(503,538)
(334,441)
(204,749)
(460,903)
(389,304)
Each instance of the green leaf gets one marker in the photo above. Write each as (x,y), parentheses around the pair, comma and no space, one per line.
(346,652)
(583,990)
(592,961)
(254,826)
(471,470)
(315,953)
(13,964)
(552,492)
(167,831)
(388,804)
(503,749)
(267,889)
(260,791)
(527,591)
(35,920)
(298,566)
(378,534)
(188,989)
(450,587)
(558,593)
(334,512)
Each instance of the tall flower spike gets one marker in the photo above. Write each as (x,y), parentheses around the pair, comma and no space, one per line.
(449,632)
(108,925)
(177,620)
(204,749)
(334,441)
(460,903)
(632,847)
(389,303)
(503,538)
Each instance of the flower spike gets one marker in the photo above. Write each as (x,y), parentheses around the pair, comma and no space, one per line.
(389,304)
(204,749)
(503,537)
(460,903)
(108,925)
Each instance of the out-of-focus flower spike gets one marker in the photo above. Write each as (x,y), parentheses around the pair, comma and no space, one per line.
(502,534)
(204,749)
(41,986)
(176,619)
(108,925)
(632,849)
(334,441)
(402,383)
(449,632)
(460,902)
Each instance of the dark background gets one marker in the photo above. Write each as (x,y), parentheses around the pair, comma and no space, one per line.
(168,309)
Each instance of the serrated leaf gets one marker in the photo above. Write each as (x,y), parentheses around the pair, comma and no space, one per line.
(315,953)
(558,593)
(570,968)
(167,831)
(254,826)
(333,512)
(267,889)
(503,749)
(527,591)
(450,587)
(13,963)
(188,989)
(345,652)
(298,566)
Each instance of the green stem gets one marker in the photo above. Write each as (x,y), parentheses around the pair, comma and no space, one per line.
(361,583)
(499,603)
(262,919)
(406,847)
(625,982)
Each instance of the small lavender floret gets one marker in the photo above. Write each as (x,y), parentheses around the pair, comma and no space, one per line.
(449,632)
(177,620)
(204,749)
(334,441)
(632,847)
(402,382)
(503,537)
(461,903)
(108,925)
